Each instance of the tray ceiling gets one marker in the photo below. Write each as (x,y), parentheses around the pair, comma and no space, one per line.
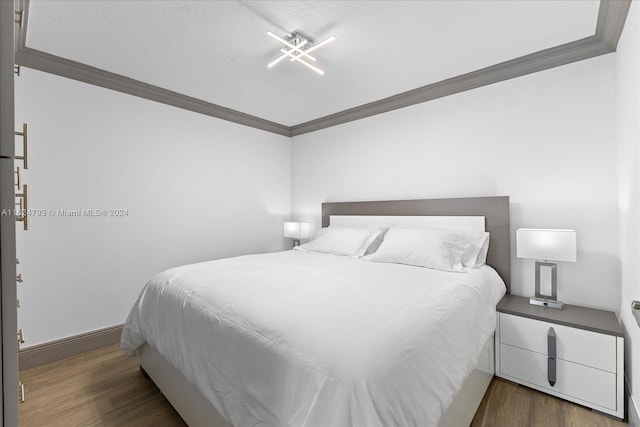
(217,51)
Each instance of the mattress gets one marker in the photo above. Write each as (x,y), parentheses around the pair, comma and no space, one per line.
(302,339)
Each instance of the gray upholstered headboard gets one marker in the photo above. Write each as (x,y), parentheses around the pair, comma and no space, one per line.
(494,209)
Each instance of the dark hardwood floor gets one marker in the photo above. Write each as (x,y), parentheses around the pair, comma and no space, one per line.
(105,388)
(509,404)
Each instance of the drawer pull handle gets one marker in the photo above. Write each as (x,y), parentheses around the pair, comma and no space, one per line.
(18,179)
(551,357)
(25,146)
(24,207)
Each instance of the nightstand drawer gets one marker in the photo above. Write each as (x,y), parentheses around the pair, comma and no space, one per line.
(575,381)
(574,345)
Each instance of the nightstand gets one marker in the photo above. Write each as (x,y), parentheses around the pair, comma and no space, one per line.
(575,353)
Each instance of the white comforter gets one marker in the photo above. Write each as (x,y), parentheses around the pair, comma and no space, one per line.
(301,339)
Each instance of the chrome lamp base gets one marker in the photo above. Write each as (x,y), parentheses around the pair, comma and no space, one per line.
(541,299)
(545,302)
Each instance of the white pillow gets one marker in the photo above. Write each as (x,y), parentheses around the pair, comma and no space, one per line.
(375,243)
(319,233)
(343,241)
(470,246)
(421,247)
(484,250)
(441,250)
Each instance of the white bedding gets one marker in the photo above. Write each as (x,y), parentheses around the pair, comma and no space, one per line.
(302,339)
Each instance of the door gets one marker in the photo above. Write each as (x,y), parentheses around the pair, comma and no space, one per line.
(8,307)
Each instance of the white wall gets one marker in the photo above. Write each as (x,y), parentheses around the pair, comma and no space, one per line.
(196,188)
(547,140)
(628,128)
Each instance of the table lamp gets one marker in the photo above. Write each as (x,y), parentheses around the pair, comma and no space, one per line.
(296,231)
(547,245)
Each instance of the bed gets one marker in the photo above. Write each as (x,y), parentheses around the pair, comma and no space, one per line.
(302,338)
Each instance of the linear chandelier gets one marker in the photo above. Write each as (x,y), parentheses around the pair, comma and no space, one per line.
(297,48)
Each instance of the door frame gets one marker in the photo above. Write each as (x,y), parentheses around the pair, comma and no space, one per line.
(8,296)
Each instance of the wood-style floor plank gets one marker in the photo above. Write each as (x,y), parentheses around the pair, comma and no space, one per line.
(507,404)
(105,388)
(99,388)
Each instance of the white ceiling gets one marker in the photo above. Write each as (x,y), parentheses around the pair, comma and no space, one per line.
(217,51)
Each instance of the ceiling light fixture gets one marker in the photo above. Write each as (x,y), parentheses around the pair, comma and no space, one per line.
(297,48)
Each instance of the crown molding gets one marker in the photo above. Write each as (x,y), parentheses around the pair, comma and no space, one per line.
(42,61)
(611,18)
(539,61)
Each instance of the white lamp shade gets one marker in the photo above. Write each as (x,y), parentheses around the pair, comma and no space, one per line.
(296,230)
(544,244)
